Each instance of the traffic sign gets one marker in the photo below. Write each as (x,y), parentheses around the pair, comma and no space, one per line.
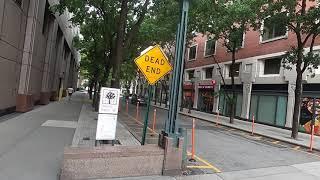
(153,64)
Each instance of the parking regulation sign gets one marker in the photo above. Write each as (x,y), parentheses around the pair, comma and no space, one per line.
(154,64)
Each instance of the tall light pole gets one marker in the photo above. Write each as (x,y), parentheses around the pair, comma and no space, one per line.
(171,126)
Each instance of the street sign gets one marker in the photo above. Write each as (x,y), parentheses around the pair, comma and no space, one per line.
(153,64)
(109,100)
(106,127)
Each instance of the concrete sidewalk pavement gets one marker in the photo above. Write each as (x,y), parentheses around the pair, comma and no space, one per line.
(259,129)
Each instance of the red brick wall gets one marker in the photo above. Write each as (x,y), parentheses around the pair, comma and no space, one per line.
(252,47)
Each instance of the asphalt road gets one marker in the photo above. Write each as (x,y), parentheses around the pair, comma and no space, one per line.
(224,149)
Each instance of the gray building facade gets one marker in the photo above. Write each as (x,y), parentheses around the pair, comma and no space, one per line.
(37,59)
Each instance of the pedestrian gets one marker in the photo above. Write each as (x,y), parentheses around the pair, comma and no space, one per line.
(70,91)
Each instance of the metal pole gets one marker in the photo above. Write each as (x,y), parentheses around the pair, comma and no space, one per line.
(146,119)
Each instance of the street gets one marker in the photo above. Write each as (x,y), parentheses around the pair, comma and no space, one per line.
(226,149)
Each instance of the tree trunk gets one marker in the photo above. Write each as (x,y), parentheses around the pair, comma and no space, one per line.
(96,105)
(233,87)
(118,55)
(297,95)
(95,94)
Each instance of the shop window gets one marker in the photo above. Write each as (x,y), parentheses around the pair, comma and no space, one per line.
(208,72)
(273,30)
(272,66)
(193,52)
(190,74)
(236,70)
(210,47)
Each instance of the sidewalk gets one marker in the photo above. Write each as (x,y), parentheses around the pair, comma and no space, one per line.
(85,133)
(260,129)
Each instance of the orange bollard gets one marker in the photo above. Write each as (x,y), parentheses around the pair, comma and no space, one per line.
(252,128)
(137,115)
(218,118)
(154,121)
(192,140)
(127,108)
(311,138)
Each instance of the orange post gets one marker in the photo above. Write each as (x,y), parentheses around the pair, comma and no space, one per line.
(252,128)
(154,121)
(192,139)
(127,107)
(137,115)
(218,118)
(311,138)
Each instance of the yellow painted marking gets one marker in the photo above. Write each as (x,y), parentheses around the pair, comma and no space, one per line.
(215,169)
(275,142)
(141,123)
(199,167)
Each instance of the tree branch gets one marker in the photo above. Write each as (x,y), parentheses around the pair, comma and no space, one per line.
(136,26)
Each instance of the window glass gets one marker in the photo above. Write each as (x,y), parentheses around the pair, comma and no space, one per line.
(209,73)
(267,109)
(273,30)
(272,66)
(191,74)
(210,47)
(192,52)
(236,69)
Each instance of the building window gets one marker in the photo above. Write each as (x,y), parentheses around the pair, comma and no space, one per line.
(248,68)
(272,66)
(192,52)
(19,2)
(210,47)
(236,70)
(273,30)
(208,72)
(190,74)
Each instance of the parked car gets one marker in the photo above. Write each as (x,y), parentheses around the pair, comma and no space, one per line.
(135,99)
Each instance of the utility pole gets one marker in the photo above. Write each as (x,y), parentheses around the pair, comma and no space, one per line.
(171,126)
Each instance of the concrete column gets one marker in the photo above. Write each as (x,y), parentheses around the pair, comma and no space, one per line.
(216,98)
(24,97)
(290,104)
(45,89)
(196,95)
(246,99)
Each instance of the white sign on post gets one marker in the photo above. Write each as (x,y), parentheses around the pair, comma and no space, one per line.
(108,114)
(106,127)
(109,100)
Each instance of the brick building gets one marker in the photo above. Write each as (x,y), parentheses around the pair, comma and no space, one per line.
(37,59)
(263,87)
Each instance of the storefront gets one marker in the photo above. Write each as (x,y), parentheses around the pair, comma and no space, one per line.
(206,97)
(269,103)
(188,95)
(311,93)
(224,104)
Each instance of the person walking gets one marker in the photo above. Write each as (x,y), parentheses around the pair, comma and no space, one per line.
(70,91)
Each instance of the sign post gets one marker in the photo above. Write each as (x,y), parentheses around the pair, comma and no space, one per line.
(154,65)
(108,113)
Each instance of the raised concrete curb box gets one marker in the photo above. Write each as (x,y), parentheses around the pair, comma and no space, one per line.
(108,162)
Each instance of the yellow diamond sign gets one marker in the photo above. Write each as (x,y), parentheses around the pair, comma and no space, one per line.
(153,64)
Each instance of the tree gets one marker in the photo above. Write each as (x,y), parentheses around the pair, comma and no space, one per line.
(226,22)
(302,19)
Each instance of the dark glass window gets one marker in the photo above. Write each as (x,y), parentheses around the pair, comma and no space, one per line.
(19,2)
(192,52)
(273,29)
(191,74)
(236,70)
(209,73)
(272,66)
(210,47)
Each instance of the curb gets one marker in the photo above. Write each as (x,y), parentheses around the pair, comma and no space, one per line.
(241,129)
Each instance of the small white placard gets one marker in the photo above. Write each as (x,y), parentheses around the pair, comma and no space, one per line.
(106,127)
(109,100)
